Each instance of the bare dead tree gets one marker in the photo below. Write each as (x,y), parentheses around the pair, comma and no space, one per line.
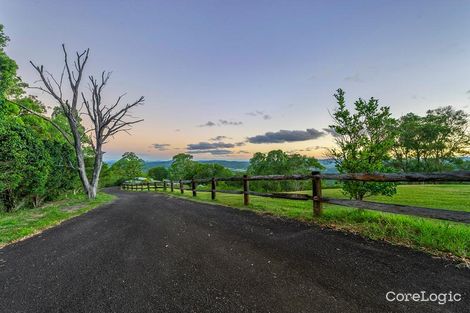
(106,121)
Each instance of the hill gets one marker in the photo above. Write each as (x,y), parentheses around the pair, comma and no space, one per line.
(234,165)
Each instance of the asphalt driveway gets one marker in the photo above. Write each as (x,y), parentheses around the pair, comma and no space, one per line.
(148,252)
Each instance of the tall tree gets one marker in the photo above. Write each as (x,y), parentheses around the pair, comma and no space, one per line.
(158,173)
(106,120)
(432,142)
(364,141)
(130,166)
(279,162)
(182,166)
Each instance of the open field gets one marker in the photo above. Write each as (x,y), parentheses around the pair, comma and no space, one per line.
(434,236)
(27,222)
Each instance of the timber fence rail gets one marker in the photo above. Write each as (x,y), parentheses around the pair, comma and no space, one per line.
(316,192)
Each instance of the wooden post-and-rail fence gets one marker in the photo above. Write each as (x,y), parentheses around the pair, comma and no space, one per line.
(316,196)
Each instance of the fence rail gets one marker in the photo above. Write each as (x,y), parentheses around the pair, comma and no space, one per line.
(316,195)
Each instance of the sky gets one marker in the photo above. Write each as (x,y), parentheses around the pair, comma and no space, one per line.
(225,79)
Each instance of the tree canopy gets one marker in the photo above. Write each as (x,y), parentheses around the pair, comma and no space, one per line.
(364,140)
(130,166)
(278,162)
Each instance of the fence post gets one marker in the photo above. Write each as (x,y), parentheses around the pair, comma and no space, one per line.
(193,187)
(246,188)
(316,193)
(148,186)
(181,187)
(171,186)
(213,188)
(164,185)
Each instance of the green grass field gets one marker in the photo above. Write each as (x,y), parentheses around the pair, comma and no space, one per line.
(434,236)
(27,222)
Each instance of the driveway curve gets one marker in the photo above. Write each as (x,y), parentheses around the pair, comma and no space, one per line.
(148,252)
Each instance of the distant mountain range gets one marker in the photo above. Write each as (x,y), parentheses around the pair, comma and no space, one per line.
(240,165)
(233,165)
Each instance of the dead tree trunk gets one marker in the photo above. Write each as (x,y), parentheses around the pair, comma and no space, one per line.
(106,121)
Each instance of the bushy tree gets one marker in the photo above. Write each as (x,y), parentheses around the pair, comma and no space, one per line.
(204,170)
(29,157)
(182,167)
(158,173)
(130,166)
(278,162)
(364,140)
(432,142)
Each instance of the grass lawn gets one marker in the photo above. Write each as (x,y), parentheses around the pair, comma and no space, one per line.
(434,236)
(27,222)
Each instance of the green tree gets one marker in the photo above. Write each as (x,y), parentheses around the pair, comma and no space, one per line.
(433,142)
(278,162)
(182,167)
(158,173)
(204,170)
(36,162)
(130,166)
(10,83)
(364,141)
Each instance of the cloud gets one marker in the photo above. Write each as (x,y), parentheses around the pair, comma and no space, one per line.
(468,92)
(308,149)
(354,78)
(316,148)
(161,146)
(331,132)
(225,123)
(219,138)
(209,145)
(286,136)
(213,152)
(177,130)
(260,113)
(208,124)
(221,123)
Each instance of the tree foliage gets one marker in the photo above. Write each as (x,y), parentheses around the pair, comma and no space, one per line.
(364,140)
(184,167)
(158,173)
(278,162)
(32,152)
(130,166)
(433,142)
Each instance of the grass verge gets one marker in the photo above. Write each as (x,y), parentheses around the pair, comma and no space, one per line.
(437,237)
(24,223)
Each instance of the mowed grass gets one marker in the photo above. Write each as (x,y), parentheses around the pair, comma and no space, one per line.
(434,236)
(27,222)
